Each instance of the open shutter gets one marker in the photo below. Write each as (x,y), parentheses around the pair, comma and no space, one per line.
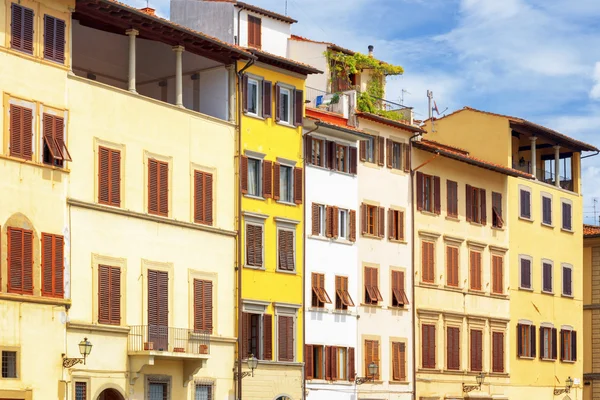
(406,158)
(207,300)
(533,340)
(381,222)
(351,365)
(388,149)
(245,93)
(276,180)
(16,126)
(208,198)
(328,221)
(352,226)
(267,337)
(352,160)
(308,361)
(483,206)
(308,156)
(115,178)
(316,219)
(391,226)
(58,287)
(152,186)
(328,363)
(277,103)
(298,107)
(380,150)
(331,155)
(104,294)
(396,361)
(363,218)
(47,264)
(554,344)
(469,202)
(267,177)
(376,358)
(363,150)
(437,194)
(573,346)
(335,214)
(244,174)
(246,335)
(419,191)
(267,105)
(298,183)
(163,194)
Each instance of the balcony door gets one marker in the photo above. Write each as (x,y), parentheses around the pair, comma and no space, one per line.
(158,309)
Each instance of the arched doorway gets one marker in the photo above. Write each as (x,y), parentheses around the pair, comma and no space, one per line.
(110,394)
(283,398)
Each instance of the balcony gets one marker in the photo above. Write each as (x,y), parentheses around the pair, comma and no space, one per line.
(168,341)
(342,103)
(546,172)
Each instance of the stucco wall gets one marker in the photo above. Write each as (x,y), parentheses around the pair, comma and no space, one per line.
(274,33)
(213,18)
(311,54)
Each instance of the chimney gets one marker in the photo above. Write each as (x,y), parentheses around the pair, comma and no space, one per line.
(371,50)
(148,10)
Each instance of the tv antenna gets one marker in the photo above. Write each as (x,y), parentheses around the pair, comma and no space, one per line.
(402,95)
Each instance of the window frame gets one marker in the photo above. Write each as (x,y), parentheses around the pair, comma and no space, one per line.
(545,262)
(497,212)
(53,292)
(373,210)
(400,299)
(452,202)
(207,384)
(493,353)
(432,243)
(87,386)
(112,151)
(526,330)
(396,217)
(17,368)
(448,345)
(159,160)
(530,259)
(343,300)
(56,21)
(200,204)
(479,271)
(259,177)
(254,222)
(373,296)
(345,166)
(431,352)
(22,231)
(547,196)
(343,224)
(319,295)
(399,344)
(566,202)
(15,104)
(50,142)
(428,193)
(110,320)
(317,142)
(374,341)
(551,344)
(251,24)
(529,191)
(292,229)
(566,266)
(370,149)
(568,333)
(290,104)
(22,48)
(456,248)
(286,312)
(479,356)
(157,379)
(283,167)
(255,81)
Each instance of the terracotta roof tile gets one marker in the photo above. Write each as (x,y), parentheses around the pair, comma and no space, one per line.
(329,44)
(391,122)
(591,230)
(266,12)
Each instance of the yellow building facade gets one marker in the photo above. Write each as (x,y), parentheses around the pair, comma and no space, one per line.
(543,218)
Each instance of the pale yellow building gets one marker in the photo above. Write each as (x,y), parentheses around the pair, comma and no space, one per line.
(591,312)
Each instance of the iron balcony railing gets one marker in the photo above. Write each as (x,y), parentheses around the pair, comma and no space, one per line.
(166,338)
(544,175)
(339,103)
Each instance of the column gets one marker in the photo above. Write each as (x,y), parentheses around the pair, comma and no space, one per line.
(557,165)
(132,33)
(533,157)
(178,75)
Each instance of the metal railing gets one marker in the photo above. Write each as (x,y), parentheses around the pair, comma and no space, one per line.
(166,338)
(544,175)
(338,103)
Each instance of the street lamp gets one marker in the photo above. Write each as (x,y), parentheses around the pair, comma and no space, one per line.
(469,388)
(252,364)
(85,348)
(372,370)
(566,389)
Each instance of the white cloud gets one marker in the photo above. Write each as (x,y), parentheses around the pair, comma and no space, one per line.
(595,92)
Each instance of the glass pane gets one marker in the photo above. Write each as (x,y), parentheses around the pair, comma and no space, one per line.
(202,392)
(284,101)
(156,391)
(342,227)
(286,186)
(254,177)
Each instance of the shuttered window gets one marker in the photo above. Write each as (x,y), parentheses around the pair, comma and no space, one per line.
(54,39)
(476,209)
(373,220)
(526,342)
(497,274)
(315,151)
(396,225)
(428,346)
(498,352)
(452,266)
(109,295)
(256,330)
(372,293)
(52,265)
(158,309)
(399,361)
(548,343)
(475,270)
(319,219)
(427,262)
(20,261)
(476,343)
(158,187)
(254,245)
(55,150)
(428,193)
(342,296)
(399,298)
(453,348)
(368,149)
(525,204)
(525,273)
(203,198)
(285,332)
(497,217)
(21,131)
(396,155)
(109,176)
(203,305)
(319,294)
(285,250)
(21,28)
(331,221)
(547,281)
(567,221)
(267,179)
(267,100)
(81,391)
(254,32)
(352,225)
(452,198)
(372,356)
(332,370)
(546,210)
(568,345)
(567,280)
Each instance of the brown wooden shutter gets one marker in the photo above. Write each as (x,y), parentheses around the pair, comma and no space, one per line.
(388,149)
(267,100)
(533,341)
(308,150)
(363,218)
(277,102)
(419,191)
(109,295)
(573,346)
(316,219)
(267,179)
(298,107)
(245,93)
(267,337)
(54,39)
(258,32)
(437,194)
(380,151)
(246,335)
(351,364)
(469,202)
(329,221)
(163,188)
(298,184)
(391,225)
(203,305)
(114,174)
(331,155)
(396,375)
(363,150)
(554,344)
(352,226)
(244,174)
(22,28)
(52,265)
(406,159)
(153,186)
(483,203)
(401,225)
(476,350)
(328,363)
(308,361)
(20,261)
(353,168)
(158,309)
(276,180)
(381,222)
(335,214)
(21,132)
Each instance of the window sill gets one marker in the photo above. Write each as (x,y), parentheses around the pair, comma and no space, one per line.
(476,291)
(453,288)
(399,382)
(255,116)
(286,203)
(286,124)
(372,305)
(401,241)
(428,284)
(547,359)
(371,236)
(398,171)
(545,225)
(475,223)
(568,296)
(344,242)
(452,218)
(526,289)
(568,361)
(497,228)
(430,213)
(252,196)
(499,295)
(525,219)
(525,358)
(370,164)
(322,381)
(255,267)
(321,310)
(429,370)
(105,328)
(29,56)
(28,298)
(35,163)
(547,293)
(500,374)
(567,230)
(286,272)
(398,308)
(319,237)
(342,312)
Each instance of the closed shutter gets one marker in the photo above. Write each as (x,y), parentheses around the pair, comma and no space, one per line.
(352,226)
(308,361)
(476,350)
(246,335)
(54,39)
(203,197)
(573,346)
(427,262)
(363,150)
(554,344)
(353,161)
(245,93)
(381,222)
(419,191)
(158,187)
(437,195)
(277,104)
(388,149)
(453,348)
(298,107)
(525,273)
(21,28)
(391,225)
(331,155)
(328,363)
(267,337)
(567,282)
(533,340)
(451,198)
(401,225)
(483,206)
(109,295)
(298,185)
(380,150)
(158,309)
(52,265)
(498,352)
(20,261)
(351,364)
(396,373)
(267,105)
(276,180)
(498,274)
(254,32)
(153,187)
(316,219)
(468,203)
(21,131)
(109,176)
(566,214)
(363,218)
(286,250)
(286,338)
(267,179)
(475,275)
(428,346)
(203,305)
(525,204)
(244,174)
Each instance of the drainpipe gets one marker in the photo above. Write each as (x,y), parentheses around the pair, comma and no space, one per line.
(240,75)
(238,27)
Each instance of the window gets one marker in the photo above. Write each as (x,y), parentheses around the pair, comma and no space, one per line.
(158,309)
(397,155)
(399,361)
(453,348)
(251,167)
(109,295)
(428,193)
(498,352)
(568,345)
(567,280)
(428,346)
(318,219)
(21,28)
(158,389)
(158,187)
(203,305)
(476,350)
(497,219)
(342,296)
(81,391)
(257,335)
(547,278)
(525,203)
(372,220)
(21,130)
(55,151)
(475,205)
(253,97)
(372,356)
(203,198)
(547,343)
(20,261)
(475,270)
(497,274)
(567,218)
(396,225)
(319,294)
(285,332)
(343,224)
(546,210)
(452,198)
(368,150)
(289,105)
(9,364)
(285,249)
(371,279)
(254,245)
(525,273)
(54,39)
(204,391)
(317,152)
(109,176)
(52,265)
(399,298)
(427,262)
(452,266)
(526,340)
(285,105)
(254,32)
(287,182)
(314,361)
(342,363)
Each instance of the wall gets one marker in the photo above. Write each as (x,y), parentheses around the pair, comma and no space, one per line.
(213,18)
(312,54)
(274,33)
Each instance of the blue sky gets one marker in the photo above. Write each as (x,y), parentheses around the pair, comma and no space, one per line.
(536,59)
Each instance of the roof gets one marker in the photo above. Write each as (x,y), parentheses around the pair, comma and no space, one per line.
(333,121)
(591,231)
(324,115)
(282,62)
(329,44)
(542,130)
(390,122)
(116,17)
(461,155)
(262,11)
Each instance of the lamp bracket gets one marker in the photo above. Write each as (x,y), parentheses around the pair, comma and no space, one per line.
(71,362)
(359,380)
(470,388)
(244,374)
(561,391)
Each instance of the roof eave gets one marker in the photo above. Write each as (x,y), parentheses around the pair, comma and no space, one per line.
(572,143)
(284,63)
(397,124)
(268,13)
(358,135)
